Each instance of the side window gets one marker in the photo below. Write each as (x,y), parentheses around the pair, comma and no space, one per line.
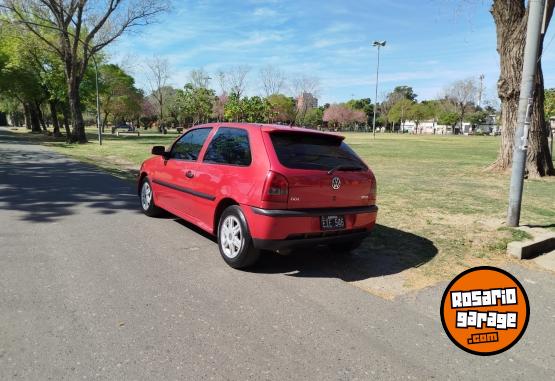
(229,146)
(190,144)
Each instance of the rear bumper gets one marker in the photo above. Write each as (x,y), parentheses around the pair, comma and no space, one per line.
(299,226)
(286,244)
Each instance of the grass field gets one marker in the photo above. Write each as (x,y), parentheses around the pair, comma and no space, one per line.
(440,211)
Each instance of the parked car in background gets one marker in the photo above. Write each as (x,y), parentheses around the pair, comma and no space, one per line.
(262,187)
(122,126)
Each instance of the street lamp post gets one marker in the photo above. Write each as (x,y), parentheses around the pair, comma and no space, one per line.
(377,44)
(97,102)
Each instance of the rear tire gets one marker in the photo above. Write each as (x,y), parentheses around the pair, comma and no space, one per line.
(146,195)
(234,239)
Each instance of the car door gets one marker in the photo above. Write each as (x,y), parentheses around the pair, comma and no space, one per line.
(224,170)
(178,172)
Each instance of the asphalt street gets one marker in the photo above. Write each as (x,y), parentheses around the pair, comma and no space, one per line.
(90,288)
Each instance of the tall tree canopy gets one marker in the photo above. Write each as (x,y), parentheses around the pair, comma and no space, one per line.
(76,30)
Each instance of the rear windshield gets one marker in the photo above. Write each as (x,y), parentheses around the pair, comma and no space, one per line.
(311,151)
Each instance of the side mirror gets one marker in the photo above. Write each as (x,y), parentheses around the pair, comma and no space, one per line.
(159,150)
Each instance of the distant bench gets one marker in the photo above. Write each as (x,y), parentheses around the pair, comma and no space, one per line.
(118,133)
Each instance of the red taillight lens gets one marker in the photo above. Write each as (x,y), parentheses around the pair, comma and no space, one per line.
(276,188)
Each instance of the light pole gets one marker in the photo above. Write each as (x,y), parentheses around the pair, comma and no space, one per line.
(97,102)
(377,44)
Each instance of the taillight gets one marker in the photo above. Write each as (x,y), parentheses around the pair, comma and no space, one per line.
(276,188)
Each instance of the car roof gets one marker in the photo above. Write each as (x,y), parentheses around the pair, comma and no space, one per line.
(270,128)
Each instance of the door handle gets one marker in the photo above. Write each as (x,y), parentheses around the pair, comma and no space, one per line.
(190,174)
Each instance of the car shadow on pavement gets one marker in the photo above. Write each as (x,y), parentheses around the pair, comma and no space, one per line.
(46,186)
(386,251)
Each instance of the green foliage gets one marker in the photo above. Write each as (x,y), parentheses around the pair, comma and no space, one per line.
(118,95)
(195,103)
(233,110)
(477,117)
(281,108)
(405,92)
(420,111)
(449,118)
(313,117)
(400,111)
(549,103)
(255,109)
(364,104)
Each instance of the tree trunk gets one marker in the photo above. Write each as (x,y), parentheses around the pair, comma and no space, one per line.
(55,122)
(33,117)
(27,113)
(77,122)
(41,117)
(510,19)
(65,114)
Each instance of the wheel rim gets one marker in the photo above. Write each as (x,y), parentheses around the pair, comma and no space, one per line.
(231,237)
(146,195)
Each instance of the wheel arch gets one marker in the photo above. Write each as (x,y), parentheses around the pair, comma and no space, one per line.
(222,205)
(142,175)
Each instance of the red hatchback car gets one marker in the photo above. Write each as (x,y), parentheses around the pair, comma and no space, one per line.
(262,187)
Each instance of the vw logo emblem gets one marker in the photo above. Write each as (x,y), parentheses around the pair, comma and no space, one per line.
(336,183)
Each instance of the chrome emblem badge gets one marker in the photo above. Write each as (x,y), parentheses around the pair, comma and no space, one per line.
(336,183)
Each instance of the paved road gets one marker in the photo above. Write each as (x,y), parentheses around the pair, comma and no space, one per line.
(92,289)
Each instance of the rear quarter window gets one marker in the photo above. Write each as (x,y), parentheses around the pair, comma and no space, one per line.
(312,151)
(229,146)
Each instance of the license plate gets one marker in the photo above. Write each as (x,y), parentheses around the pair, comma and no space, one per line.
(332,222)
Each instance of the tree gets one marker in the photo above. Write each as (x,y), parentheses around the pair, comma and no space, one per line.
(255,109)
(463,94)
(236,79)
(272,79)
(118,95)
(404,92)
(419,112)
(340,116)
(233,109)
(157,77)
(218,108)
(478,117)
(399,112)
(196,103)
(20,76)
(511,18)
(281,109)
(77,29)
(314,117)
(365,105)
(199,78)
(549,104)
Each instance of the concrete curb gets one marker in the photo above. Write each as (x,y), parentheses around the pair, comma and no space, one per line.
(543,242)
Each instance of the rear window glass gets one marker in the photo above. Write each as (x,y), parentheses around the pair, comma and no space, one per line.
(311,151)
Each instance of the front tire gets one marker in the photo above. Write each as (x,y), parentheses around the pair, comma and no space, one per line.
(234,239)
(146,195)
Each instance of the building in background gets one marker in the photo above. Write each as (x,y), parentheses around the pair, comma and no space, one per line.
(306,101)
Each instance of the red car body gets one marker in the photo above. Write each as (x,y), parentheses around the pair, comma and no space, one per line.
(285,205)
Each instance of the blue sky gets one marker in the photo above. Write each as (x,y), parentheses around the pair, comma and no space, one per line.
(430,43)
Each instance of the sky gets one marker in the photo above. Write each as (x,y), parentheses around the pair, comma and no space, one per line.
(430,44)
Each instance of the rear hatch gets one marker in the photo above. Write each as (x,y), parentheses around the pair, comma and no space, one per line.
(322,171)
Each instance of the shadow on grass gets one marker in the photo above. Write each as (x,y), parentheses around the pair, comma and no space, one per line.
(386,251)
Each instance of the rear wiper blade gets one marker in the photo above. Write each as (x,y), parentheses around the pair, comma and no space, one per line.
(345,168)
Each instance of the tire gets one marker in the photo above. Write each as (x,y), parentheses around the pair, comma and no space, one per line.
(234,239)
(146,197)
(345,248)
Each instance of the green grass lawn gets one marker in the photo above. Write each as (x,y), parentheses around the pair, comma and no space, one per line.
(433,187)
